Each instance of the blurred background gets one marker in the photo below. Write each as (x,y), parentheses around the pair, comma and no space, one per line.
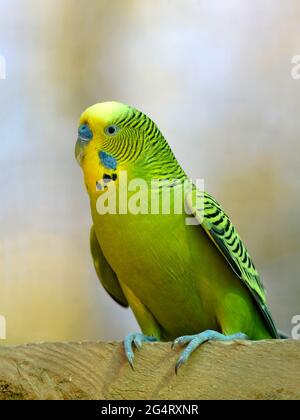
(215,76)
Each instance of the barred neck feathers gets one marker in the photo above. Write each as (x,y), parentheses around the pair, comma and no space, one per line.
(145,145)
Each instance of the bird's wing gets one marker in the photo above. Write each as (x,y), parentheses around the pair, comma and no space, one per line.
(221,231)
(105,273)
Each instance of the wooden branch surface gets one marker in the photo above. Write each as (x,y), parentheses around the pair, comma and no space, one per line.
(239,370)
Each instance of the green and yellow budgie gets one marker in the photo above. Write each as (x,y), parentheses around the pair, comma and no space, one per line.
(188,283)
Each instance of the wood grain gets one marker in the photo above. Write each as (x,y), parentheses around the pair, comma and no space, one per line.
(237,370)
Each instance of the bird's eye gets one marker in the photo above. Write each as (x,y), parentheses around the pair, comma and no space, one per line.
(111,130)
(85,133)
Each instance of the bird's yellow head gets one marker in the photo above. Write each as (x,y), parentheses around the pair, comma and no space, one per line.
(100,128)
(113,137)
(105,141)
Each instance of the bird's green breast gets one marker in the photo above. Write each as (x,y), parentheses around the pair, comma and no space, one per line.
(172,268)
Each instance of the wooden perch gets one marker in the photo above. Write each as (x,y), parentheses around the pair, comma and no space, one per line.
(239,370)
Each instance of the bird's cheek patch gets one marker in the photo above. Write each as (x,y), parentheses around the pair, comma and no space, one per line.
(108,161)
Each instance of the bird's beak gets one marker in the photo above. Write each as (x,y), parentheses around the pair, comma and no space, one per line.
(79,150)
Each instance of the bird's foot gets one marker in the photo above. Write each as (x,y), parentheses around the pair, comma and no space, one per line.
(194,341)
(136,339)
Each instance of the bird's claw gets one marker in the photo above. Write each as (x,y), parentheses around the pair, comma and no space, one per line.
(196,340)
(137,340)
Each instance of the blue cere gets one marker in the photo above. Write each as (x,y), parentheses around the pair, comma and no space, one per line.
(85,133)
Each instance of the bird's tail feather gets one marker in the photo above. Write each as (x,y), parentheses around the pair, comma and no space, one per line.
(283,335)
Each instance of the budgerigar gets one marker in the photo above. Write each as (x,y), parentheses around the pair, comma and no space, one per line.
(185,282)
